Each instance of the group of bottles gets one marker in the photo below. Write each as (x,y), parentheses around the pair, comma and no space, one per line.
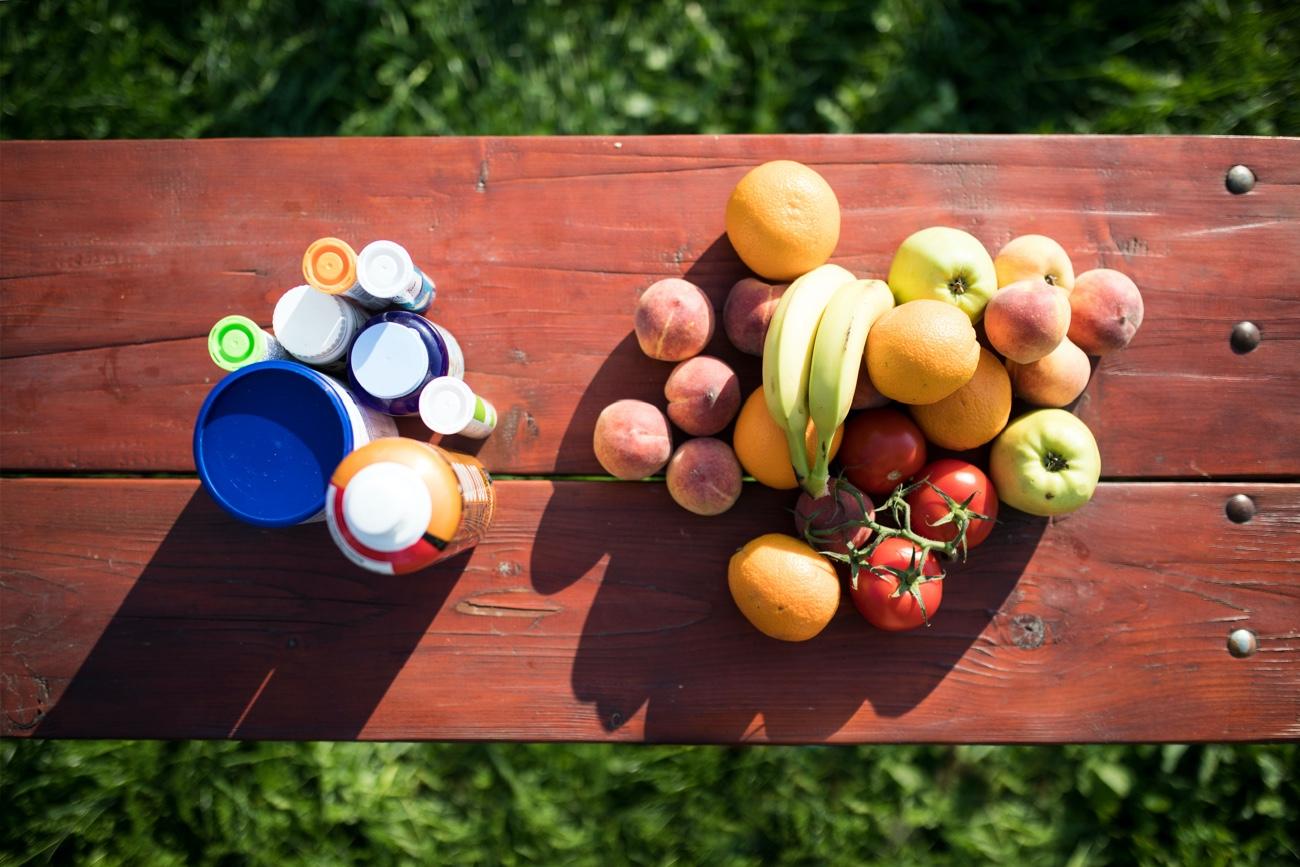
(302,427)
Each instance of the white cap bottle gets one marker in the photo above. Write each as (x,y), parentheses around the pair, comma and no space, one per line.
(385,270)
(315,327)
(387,506)
(448,406)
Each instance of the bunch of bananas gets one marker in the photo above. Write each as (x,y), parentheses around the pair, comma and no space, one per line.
(811,359)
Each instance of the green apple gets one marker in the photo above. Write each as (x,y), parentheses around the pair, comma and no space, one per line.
(946,265)
(1045,463)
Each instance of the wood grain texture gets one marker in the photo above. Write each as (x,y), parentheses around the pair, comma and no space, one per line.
(137,609)
(117,256)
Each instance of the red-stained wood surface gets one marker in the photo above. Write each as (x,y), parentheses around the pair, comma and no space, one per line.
(138,609)
(116,257)
(135,608)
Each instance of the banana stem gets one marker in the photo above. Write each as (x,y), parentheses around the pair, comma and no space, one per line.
(818,482)
(798,454)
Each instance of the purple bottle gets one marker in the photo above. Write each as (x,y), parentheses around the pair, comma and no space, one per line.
(395,354)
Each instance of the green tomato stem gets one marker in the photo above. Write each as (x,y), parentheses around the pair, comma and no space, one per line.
(897,504)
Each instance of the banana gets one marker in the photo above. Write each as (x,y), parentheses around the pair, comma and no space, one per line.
(837,356)
(787,355)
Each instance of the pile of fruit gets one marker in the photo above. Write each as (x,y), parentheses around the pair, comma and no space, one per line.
(872,375)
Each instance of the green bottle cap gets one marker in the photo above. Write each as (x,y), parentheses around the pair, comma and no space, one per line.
(236,341)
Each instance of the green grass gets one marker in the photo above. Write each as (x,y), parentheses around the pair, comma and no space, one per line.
(374,804)
(137,68)
(140,68)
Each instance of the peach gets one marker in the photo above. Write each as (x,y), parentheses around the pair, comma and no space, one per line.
(1107,311)
(1056,379)
(703,395)
(748,311)
(632,439)
(704,476)
(1034,256)
(828,512)
(866,395)
(673,320)
(1027,320)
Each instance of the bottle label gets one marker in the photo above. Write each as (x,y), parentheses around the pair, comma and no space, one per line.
(367,424)
(275,350)
(383,567)
(365,299)
(478,502)
(455,356)
(483,422)
(417,296)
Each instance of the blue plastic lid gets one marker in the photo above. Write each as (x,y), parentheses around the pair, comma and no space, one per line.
(266,441)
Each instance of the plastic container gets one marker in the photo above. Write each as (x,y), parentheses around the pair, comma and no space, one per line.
(385,270)
(237,341)
(330,265)
(269,435)
(314,327)
(395,354)
(399,505)
(448,406)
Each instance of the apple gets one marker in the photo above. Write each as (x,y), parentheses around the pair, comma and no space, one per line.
(1045,463)
(945,265)
(1034,256)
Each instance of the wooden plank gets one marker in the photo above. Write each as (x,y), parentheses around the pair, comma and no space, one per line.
(117,256)
(112,243)
(136,609)
(132,408)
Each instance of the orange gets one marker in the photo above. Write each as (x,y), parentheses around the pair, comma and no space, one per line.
(922,351)
(784,587)
(973,414)
(761,447)
(783,219)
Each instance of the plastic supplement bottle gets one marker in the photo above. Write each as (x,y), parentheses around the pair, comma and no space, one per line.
(316,328)
(395,354)
(398,505)
(385,270)
(269,435)
(330,265)
(237,341)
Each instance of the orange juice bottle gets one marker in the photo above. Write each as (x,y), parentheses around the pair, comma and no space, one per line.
(397,505)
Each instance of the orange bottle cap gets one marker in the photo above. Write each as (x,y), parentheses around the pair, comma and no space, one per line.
(330,265)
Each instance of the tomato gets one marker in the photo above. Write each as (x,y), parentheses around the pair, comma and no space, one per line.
(959,480)
(881,447)
(874,595)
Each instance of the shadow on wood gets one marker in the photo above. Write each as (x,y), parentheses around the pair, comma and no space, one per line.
(663,635)
(236,631)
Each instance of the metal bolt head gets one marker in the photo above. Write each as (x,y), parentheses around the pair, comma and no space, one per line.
(1242,643)
(1240,508)
(1240,180)
(1245,337)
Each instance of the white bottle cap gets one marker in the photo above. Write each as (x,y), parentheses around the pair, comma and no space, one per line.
(311,324)
(389,360)
(385,269)
(447,405)
(387,507)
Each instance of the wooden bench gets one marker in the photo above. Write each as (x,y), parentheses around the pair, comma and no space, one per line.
(130,606)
